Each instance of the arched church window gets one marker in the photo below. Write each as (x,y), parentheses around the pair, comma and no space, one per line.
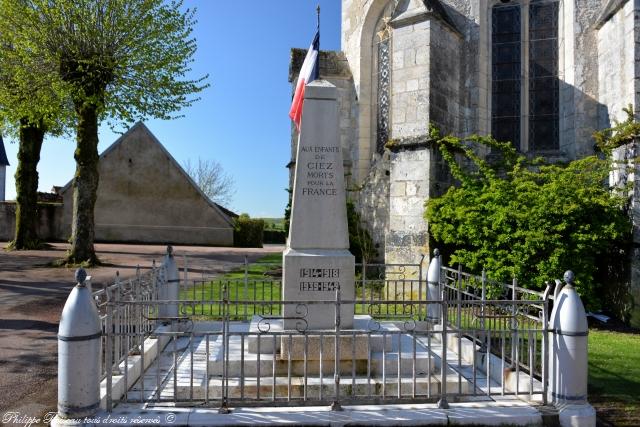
(382,81)
(544,88)
(525,84)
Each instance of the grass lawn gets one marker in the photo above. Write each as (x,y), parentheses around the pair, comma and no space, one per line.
(260,286)
(273,223)
(614,377)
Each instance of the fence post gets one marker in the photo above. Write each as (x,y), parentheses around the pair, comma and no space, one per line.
(569,346)
(117,324)
(483,325)
(224,406)
(514,326)
(419,287)
(442,403)
(545,343)
(246,287)
(335,406)
(170,285)
(433,288)
(364,280)
(79,353)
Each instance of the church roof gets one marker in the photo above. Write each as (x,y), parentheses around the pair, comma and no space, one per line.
(410,11)
(3,154)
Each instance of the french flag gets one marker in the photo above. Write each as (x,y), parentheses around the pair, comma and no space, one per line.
(308,73)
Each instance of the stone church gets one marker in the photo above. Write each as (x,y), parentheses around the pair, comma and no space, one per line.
(543,74)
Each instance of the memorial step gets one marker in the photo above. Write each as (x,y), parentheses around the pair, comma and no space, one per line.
(366,339)
(294,387)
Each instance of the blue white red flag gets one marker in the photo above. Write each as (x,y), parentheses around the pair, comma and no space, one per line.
(308,73)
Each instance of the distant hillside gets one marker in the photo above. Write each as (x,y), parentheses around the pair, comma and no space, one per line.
(273,223)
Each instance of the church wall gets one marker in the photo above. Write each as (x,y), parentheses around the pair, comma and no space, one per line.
(445,68)
(626,174)
(409,188)
(372,200)
(410,85)
(584,85)
(617,72)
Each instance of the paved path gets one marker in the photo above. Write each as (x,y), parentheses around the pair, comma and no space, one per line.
(32,296)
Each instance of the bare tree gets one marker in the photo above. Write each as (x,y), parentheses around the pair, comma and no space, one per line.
(212,180)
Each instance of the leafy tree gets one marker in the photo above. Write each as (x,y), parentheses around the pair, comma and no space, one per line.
(527,219)
(122,60)
(30,107)
(212,180)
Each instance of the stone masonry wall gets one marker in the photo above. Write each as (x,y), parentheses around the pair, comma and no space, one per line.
(410,80)
(445,109)
(617,75)
(627,172)
(49,221)
(372,201)
(410,179)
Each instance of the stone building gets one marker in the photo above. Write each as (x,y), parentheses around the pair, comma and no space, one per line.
(543,74)
(143,196)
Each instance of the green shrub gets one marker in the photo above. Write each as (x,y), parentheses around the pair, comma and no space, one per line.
(527,219)
(247,232)
(274,236)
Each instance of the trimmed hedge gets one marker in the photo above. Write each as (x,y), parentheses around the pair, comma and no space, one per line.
(247,232)
(274,236)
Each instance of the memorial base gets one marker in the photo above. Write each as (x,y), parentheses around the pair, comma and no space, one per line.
(312,277)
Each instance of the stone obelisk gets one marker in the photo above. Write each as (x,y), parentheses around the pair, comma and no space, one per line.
(317,260)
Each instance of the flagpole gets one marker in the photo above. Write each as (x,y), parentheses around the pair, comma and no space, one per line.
(318,29)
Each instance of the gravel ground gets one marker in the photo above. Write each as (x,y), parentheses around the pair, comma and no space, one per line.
(32,295)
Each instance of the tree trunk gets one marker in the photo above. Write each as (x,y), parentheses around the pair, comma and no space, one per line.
(85,186)
(31,137)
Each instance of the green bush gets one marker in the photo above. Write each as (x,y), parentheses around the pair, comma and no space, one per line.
(274,236)
(527,219)
(247,232)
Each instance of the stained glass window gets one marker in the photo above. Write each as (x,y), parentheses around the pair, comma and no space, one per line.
(543,76)
(506,69)
(384,79)
(536,80)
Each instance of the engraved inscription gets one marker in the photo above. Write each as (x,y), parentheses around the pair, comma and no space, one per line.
(310,285)
(320,176)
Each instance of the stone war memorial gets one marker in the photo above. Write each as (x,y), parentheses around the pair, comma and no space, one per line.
(317,261)
(325,343)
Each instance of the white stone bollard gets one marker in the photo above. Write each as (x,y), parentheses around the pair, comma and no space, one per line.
(79,354)
(170,290)
(568,367)
(433,287)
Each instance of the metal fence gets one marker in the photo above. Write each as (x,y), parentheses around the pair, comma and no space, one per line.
(493,341)
(126,325)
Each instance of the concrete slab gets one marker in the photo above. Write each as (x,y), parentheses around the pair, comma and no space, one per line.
(486,413)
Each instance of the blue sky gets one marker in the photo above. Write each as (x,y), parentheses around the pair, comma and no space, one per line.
(242,119)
